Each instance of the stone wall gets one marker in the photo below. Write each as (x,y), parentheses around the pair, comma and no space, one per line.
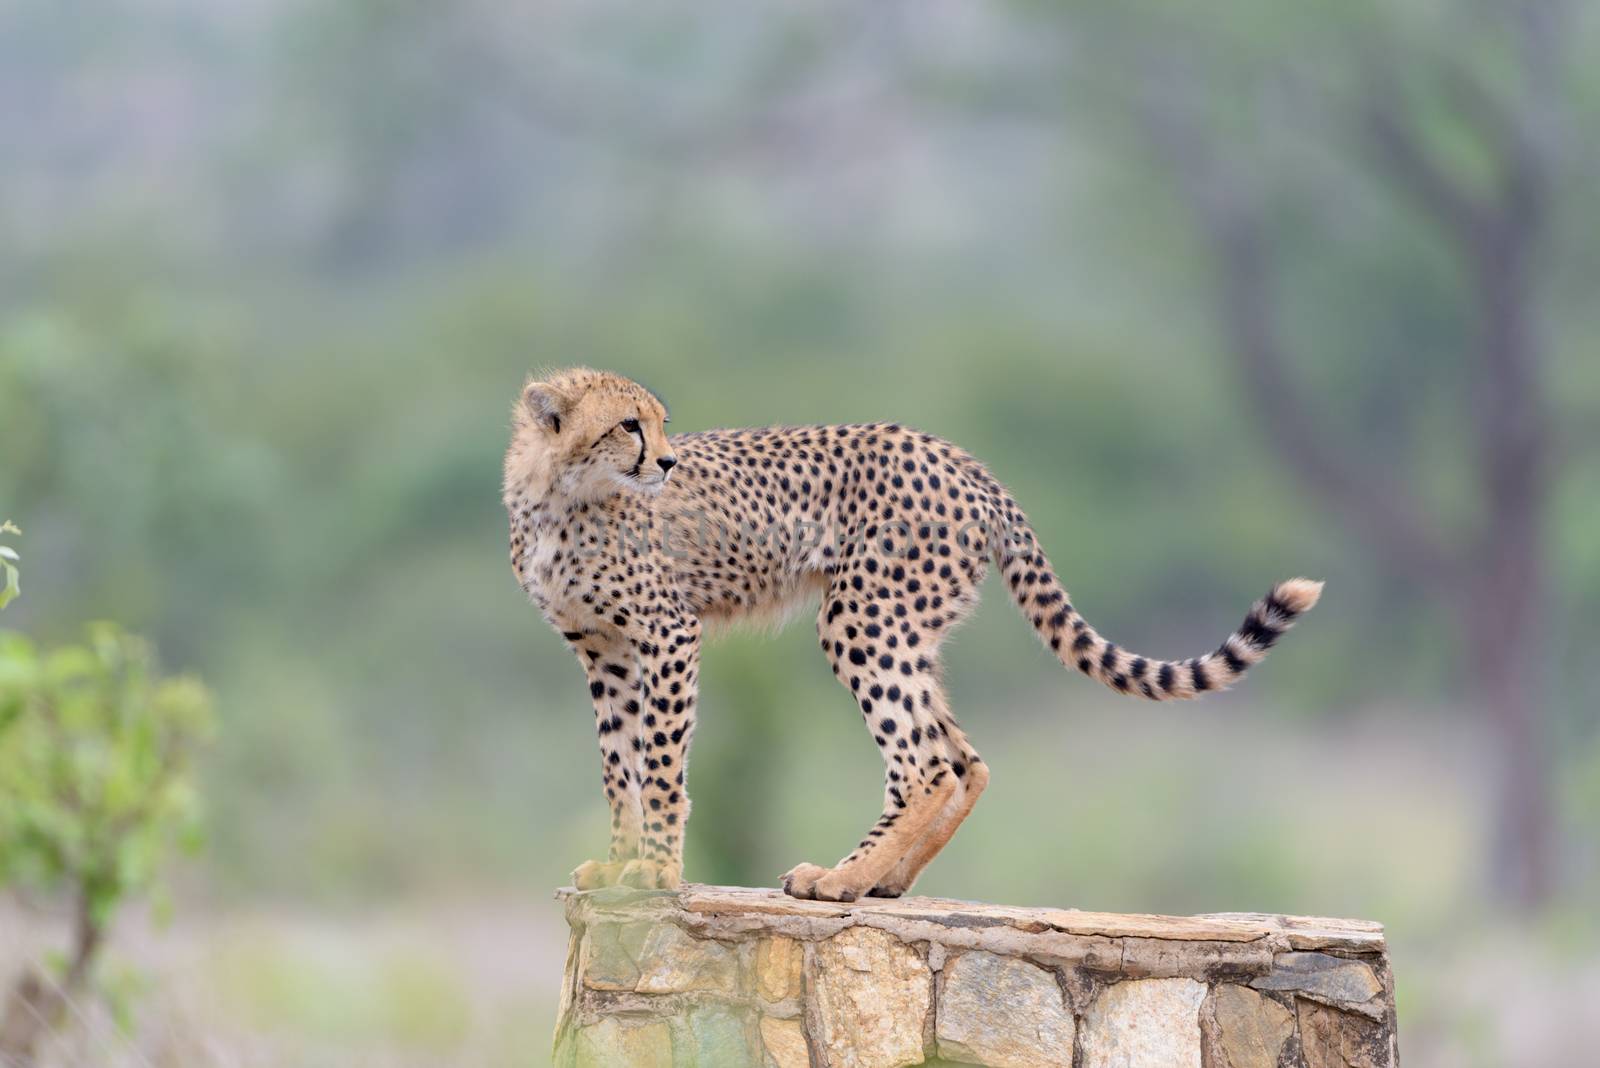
(719,976)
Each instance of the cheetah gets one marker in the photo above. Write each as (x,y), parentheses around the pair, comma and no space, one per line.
(635,545)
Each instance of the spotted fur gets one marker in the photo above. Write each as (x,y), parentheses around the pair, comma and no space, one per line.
(632,543)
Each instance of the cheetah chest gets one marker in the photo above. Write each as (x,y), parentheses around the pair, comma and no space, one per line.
(549,571)
(578,583)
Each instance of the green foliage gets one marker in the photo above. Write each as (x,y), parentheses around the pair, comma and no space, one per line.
(96,766)
(8,566)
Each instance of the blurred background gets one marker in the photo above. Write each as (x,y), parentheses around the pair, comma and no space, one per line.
(1224,295)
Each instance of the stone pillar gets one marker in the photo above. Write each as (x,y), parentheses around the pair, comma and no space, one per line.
(723,977)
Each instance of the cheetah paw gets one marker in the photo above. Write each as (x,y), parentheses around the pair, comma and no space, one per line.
(637,873)
(801,880)
(652,874)
(595,874)
(818,883)
(887,889)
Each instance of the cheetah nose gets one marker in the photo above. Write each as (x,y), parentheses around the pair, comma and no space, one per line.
(667,463)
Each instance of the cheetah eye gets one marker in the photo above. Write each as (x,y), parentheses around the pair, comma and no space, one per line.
(630,425)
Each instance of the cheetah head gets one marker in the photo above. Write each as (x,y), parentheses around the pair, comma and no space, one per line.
(586,435)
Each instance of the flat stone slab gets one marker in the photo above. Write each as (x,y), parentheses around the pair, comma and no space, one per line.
(733,975)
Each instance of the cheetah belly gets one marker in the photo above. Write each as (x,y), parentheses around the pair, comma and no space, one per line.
(769,606)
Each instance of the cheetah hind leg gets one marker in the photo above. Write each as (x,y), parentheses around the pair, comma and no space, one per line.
(901,877)
(902,704)
(972,776)
(873,859)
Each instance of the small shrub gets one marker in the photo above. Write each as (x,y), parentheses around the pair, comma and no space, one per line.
(96,788)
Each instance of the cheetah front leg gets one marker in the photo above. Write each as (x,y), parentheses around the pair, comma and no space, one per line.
(611,666)
(669,662)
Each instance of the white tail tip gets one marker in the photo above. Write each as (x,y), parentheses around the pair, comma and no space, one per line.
(1298,594)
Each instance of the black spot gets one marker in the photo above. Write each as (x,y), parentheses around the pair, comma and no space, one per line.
(1165,677)
(1277,607)
(1198,671)
(597,689)
(1258,632)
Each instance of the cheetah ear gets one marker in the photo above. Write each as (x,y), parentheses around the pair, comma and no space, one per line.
(546,404)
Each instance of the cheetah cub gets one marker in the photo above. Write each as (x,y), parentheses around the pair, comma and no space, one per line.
(632,544)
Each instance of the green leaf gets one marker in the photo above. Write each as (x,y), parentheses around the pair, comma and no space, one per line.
(8,563)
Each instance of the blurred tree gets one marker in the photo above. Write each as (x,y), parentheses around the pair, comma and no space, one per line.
(96,755)
(1467,150)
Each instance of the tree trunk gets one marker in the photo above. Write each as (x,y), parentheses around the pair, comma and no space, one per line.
(1503,641)
(1507,608)
(29,1015)
(38,1006)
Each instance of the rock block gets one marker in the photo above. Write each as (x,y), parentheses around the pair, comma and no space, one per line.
(872,998)
(1144,1023)
(707,977)
(1245,1029)
(1004,1013)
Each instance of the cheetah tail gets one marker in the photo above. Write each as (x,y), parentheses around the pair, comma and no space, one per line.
(1040,596)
